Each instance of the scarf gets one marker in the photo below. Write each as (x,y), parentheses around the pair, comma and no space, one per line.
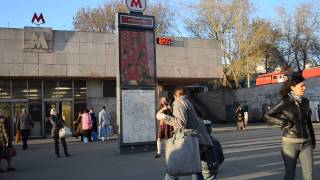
(298,99)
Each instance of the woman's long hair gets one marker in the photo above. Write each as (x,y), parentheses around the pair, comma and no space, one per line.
(293,80)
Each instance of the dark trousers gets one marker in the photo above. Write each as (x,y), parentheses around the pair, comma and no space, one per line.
(64,145)
(87,133)
(25,136)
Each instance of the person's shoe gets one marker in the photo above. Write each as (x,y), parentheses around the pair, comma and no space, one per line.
(11,169)
(68,155)
(58,155)
(1,171)
(157,156)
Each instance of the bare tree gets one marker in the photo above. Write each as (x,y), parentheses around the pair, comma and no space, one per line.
(102,18)
(300,35)
(243,39)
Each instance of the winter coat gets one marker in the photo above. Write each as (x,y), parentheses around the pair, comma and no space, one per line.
(104,118)
(57,123)
(24,121)
(185,117)
(294,118)
(86,121)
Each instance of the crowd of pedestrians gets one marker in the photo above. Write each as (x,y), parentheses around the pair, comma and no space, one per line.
(179,122)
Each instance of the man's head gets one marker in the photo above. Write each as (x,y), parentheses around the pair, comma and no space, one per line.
(91,110)
(104,108)
(178,92)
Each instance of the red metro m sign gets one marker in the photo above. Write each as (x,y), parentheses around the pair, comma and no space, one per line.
(136,5)
(39,19)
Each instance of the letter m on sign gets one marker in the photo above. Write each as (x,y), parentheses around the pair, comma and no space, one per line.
(136,4)
(39,19)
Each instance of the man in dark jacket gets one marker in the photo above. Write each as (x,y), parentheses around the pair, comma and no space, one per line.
(24,124)
(94,128)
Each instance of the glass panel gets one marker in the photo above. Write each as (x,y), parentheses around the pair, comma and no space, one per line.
(35,89)
(19,89)
(109,88)
(35,110)
(50,89)
(64,89)
(80,90)
(66,112)
(5,89)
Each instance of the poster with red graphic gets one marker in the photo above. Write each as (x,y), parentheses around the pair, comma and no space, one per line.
(137,57)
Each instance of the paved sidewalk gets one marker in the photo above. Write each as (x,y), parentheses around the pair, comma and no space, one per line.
(253,154)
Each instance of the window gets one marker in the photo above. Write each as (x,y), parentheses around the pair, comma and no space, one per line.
(35,89)
(109,88)
(80,89)
(49,87)
(5,89)
(65,89)
(19,89)
(274,77)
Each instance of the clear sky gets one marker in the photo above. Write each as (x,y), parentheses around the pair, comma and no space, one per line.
(59,13)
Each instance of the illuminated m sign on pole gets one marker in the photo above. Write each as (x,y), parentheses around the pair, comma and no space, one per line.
(136,5)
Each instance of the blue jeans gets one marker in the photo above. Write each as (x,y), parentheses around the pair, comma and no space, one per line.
(291,152)
(198,176)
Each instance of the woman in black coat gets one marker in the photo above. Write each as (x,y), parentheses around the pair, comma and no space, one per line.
(58,123)
(293,114)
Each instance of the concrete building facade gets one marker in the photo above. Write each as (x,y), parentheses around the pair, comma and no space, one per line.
(41,68)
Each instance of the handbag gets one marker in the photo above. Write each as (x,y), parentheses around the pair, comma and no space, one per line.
(183,154)
(65,132)
(18,136)
(10,152)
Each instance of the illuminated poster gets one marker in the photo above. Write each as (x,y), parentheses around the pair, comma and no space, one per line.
(137,57)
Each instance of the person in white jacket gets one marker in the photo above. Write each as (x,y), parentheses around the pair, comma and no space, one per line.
(104,123)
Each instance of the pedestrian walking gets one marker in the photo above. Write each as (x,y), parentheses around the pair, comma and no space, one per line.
(94,129)
(78,127)
(184,117)
(240,118)
(164,130)
(58,123)
(292,114)
(24,125)
(5,142)
(86,125)
(104,123)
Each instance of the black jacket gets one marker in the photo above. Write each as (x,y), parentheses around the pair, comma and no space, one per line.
(293,117)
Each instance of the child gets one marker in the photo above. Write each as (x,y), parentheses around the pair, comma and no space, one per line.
(214,155)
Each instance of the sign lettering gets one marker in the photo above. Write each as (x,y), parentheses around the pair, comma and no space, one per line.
(39,19)
(39,42)
(136,5)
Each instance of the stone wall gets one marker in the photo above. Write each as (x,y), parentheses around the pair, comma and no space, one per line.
(94,55)
(223,103)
